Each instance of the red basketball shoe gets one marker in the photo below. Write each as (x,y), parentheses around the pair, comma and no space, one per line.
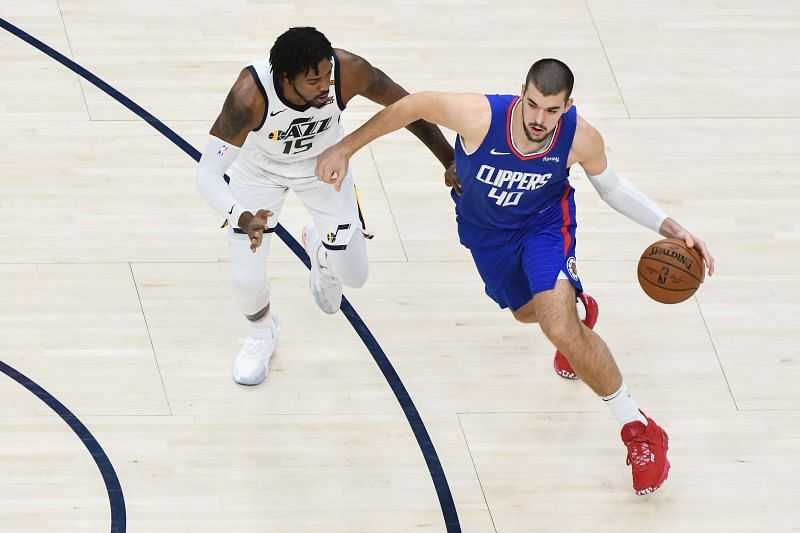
(560,362)
(647,454)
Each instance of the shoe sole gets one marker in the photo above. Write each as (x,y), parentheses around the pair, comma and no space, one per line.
(563,372)
(566,374)
(257,381)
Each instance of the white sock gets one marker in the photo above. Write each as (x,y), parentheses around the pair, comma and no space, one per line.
(261,329)
(623,407)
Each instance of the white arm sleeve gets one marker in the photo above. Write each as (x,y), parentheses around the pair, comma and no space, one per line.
(217,156)
(623,196)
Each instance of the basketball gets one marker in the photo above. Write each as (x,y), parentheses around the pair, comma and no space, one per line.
(670,272)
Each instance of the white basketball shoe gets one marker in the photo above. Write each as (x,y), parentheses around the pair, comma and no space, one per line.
(325,286)
(252,364)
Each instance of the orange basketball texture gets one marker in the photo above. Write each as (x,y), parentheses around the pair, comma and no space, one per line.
(670,272)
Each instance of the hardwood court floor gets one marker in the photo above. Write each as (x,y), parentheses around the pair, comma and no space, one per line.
(115,296)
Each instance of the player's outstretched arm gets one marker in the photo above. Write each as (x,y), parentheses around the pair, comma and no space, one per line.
(362,78)
(589,150)
(467,114)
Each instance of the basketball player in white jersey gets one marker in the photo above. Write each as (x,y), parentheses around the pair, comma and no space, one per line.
(278,116)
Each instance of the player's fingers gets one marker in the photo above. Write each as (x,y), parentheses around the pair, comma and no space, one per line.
(263,216)
(339,181)
(255,242)
(689,240)
(709,259)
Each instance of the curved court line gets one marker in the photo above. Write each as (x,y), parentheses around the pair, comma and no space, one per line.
(409,409)
(113,488)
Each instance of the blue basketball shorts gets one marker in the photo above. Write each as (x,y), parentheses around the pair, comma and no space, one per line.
(517,264)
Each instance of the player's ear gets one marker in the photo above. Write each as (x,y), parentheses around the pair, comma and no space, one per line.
(522,91)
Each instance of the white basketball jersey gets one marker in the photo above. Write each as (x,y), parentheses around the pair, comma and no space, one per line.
(290,137)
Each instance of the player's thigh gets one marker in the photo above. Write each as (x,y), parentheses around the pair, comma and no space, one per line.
(260,192)
(336,214)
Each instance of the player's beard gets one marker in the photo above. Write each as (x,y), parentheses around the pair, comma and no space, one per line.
(532,139)
(314,102)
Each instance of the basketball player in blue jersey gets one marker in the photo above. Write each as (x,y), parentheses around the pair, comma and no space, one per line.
(516,214)
(279,115)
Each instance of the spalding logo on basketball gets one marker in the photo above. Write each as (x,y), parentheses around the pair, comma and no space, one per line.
(669,272)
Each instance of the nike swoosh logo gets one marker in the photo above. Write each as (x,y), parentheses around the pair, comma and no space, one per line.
(495,152)
(231,211)
(273,113)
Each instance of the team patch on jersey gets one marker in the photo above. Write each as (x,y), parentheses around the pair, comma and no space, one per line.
(572,268)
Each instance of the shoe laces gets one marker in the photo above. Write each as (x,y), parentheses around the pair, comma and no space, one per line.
(252,347)
(639,454)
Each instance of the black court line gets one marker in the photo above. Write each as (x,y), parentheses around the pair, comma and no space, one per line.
(409,409)
(113,488)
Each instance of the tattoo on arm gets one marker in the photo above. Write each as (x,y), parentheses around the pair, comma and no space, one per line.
(233,119)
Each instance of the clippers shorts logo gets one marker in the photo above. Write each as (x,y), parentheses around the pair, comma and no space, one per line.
(572,268)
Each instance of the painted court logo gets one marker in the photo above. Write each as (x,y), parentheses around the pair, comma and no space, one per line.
(572,268)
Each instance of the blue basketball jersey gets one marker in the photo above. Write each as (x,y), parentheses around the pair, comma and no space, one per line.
(503,189)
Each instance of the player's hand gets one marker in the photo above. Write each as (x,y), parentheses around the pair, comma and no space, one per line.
(255,225)
(332,165)
(670,228)
(451,178)
(699,245)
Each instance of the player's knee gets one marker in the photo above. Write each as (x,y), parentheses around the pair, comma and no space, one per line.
(350,265)
(560,330)
(354,274)
(356,280)
(245,283)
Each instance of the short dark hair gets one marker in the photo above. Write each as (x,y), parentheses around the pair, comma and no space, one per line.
(298,50)
(551,76)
